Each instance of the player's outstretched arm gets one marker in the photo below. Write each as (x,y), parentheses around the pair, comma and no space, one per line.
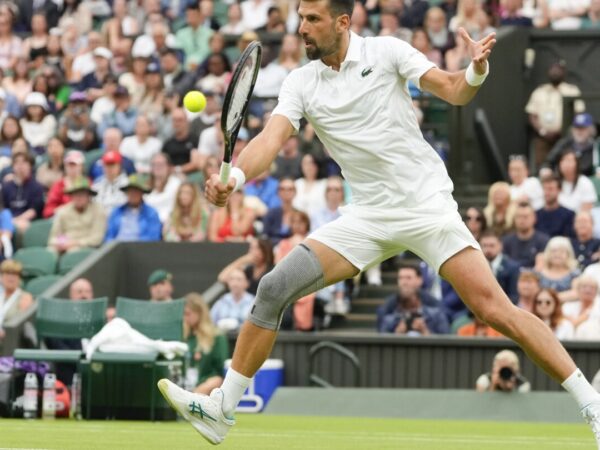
(460,87)
(254,159)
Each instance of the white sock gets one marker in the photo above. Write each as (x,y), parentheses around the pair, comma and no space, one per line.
(580,389)
(233,388)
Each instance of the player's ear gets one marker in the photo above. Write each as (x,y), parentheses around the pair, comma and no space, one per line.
(342,23)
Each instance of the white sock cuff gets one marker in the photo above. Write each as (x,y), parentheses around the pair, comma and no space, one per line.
(573,378)
(237,378)
(579,387)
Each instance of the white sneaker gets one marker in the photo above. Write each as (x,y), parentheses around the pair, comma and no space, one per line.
(591,414)
(204,412)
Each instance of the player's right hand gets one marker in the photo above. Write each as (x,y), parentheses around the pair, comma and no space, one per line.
(216,192)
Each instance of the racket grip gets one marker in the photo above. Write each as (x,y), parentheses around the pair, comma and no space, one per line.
(225,171)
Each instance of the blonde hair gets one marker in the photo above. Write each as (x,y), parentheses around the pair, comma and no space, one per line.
(562,243)
(11,266)
(490,210)
(508,355)
(196,208)
(205,331)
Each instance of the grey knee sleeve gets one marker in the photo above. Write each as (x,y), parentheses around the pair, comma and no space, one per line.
(297,275)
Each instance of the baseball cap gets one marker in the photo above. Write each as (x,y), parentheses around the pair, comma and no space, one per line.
(78,96)
(74,157)
(153,68)
(112,157)
(583,120)
(36,99)
(121,91)
(159,276)
(103,52)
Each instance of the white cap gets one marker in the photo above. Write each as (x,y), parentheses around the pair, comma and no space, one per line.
(36,99)
(103,52)
(143,47)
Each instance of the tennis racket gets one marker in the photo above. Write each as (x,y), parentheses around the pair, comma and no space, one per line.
(236,101)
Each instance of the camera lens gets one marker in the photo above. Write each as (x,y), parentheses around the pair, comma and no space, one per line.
(506,373)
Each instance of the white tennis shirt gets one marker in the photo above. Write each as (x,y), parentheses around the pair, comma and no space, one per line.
(364,116)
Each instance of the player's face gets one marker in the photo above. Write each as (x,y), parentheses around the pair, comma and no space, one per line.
(318,29)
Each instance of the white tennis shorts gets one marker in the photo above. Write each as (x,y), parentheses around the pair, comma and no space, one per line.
(367,238)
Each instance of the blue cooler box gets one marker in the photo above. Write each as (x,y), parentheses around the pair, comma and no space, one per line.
(268,378)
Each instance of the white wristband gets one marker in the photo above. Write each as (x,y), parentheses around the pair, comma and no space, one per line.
(474,79)
(239,176)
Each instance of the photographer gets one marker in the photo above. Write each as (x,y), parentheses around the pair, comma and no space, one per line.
(76,129)
(411,311)
(505,375)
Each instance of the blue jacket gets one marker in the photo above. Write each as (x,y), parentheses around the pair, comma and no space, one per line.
(18,198)
(150,226)
(266,190)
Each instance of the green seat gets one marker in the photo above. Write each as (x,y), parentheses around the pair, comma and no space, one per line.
(196,178)
(36,261)
(38,285)
(157,320)
(37,233)
(459,322)
(69,260)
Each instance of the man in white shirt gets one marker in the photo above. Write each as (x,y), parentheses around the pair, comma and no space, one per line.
(354,93)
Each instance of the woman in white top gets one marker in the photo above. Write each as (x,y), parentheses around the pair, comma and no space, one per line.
(142,146)
(524,187)
(12,298)
(164,186)
(547,307)
(310,191)
(39,126)
(577,191)
(234,23)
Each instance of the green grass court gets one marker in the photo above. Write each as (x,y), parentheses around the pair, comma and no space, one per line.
(298,432)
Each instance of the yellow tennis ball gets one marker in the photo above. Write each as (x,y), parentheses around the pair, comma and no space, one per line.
(194,101)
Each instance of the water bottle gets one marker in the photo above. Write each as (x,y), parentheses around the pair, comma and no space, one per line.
(75,411)
(49,397)
(30,396)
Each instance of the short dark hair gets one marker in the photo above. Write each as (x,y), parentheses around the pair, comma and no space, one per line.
(552,178)
(413,267)
(340,7)
(490,233)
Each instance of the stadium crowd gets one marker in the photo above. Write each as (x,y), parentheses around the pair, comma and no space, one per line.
(93,136)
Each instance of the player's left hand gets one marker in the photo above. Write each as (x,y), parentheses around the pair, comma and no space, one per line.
(479,51)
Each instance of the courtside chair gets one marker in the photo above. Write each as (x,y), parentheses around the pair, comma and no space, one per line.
(70,260)
(37,233)
(38,285)
(156,320)
(64,319)
(36,261)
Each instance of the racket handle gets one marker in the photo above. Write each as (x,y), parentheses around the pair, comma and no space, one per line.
(225,170)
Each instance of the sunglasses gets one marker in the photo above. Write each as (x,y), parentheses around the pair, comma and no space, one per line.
(477,218)
(543,302)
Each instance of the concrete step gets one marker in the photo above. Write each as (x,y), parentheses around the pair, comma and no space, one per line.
(382,291)
(355,321)
(366,305)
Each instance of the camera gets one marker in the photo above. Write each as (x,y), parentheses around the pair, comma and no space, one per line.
(506,373)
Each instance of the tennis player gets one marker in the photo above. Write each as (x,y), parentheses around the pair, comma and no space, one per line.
(354,93)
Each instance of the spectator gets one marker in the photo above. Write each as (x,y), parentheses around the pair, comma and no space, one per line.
(477,328)
(523,187)
(210,115)
(255,13)
(211,142)
(334,199)
(153,96)
(411,311)
(142,146)
(275,23)
(288,162)
(585,245)
(505,269)
(592,20)
(11,46)
(12,298)
(120,26)
(76,128)
(435,25)
(554,219)
(475,221)
(19,84)
(265,187)
(467,16)
(218,74)
(360,21)
(163,184)
(526,242)
(207,347)
(135,79)
(577,191)
(135,220)
(108,187)
(124,115)
(160,284)
(545,109)
(500,209)
(234,223)
(270,78)
(193,39)
(105,103)
(52,170)
(92,83)
(57,195)
(189,220)
(310,191)
(84,64)
(79,13)
(566,15)
(586,305)
(231,310)
(255,264)
(81,289)
(559,267)
(181,148)
(38,125)
(111,142)
(547,307)
(174,75)
(420,41)
(234,25)
(528,286)
(580,140)
(505,375)
(10,131)
(53,86)
(389,25)
(79,224)
(7,230)
(22,194)
(511,14)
